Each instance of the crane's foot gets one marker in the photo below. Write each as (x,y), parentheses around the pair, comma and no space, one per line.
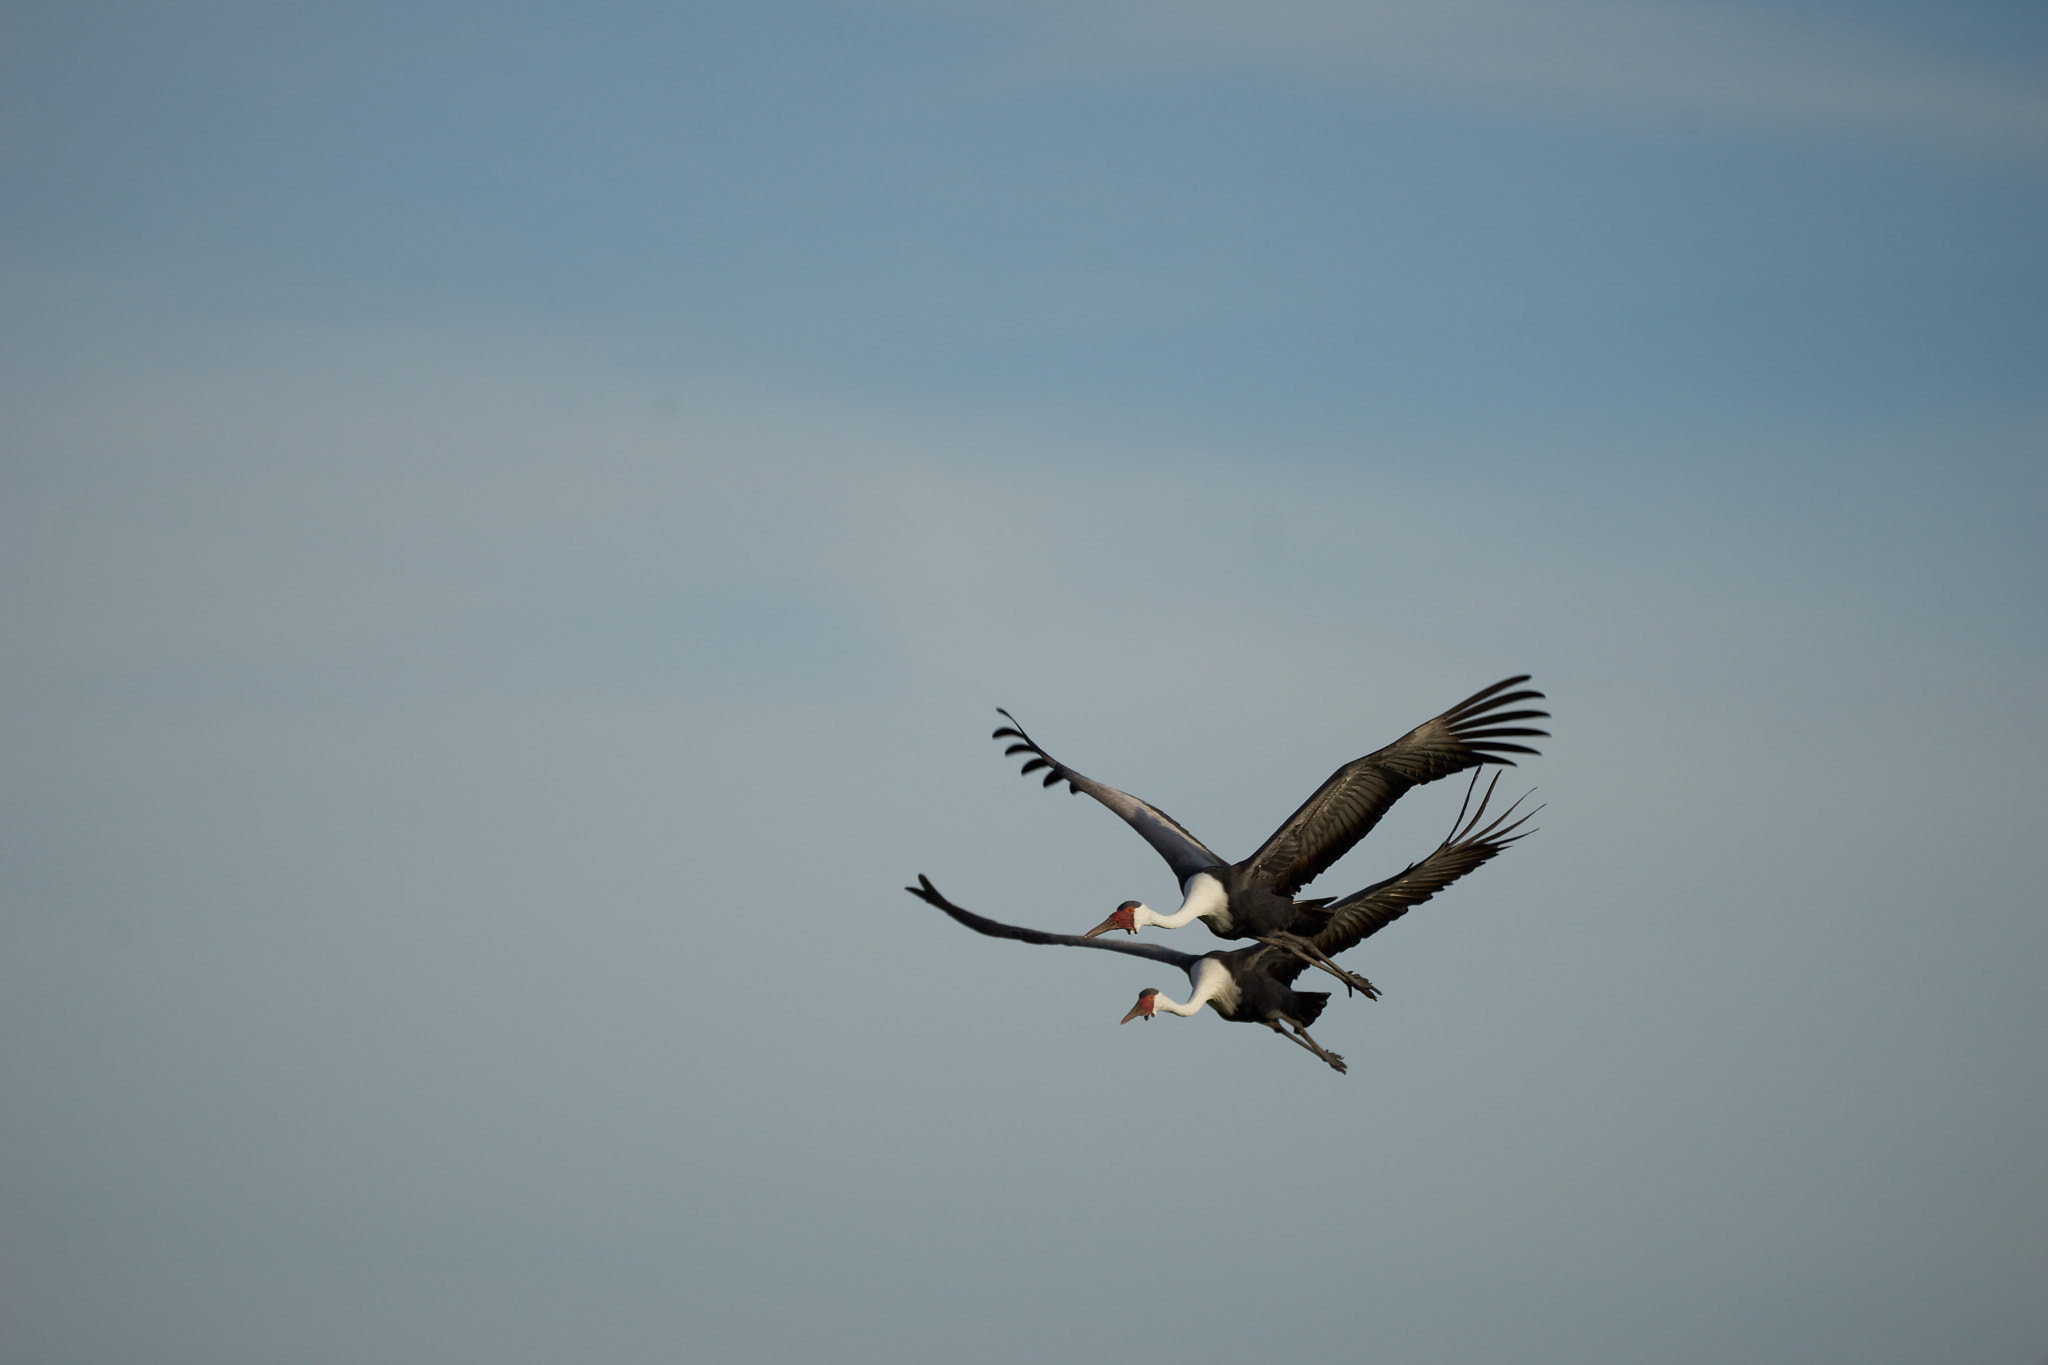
(1300,1037)
(1306,950)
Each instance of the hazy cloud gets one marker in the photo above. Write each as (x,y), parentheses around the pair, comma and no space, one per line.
(1747,64)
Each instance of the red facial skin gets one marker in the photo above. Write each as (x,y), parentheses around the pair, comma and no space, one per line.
(1124,917)
(1147,1001)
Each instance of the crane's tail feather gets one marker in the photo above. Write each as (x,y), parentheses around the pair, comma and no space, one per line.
(1311,1004)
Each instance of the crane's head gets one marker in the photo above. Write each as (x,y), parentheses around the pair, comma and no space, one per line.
(1124,917)
(1147,1000)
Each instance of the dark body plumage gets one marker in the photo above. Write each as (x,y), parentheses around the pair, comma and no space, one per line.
(1256,911)
(1264,977)
(1258,893)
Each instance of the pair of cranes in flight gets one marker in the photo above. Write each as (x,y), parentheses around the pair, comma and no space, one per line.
(1256,899)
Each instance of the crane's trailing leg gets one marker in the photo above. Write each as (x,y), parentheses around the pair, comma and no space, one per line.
(1300,1037)
(1306,950)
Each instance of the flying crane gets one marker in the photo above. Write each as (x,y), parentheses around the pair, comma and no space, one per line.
(1255,898)
(1255,985)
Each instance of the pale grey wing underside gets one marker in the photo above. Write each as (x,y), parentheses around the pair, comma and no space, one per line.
(1346,807)
(1184,853)
(980,924)
(1362,914)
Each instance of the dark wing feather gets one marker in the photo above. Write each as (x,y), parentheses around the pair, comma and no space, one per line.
(1345,808)
(925,891)
(1184,853)
(1364,913)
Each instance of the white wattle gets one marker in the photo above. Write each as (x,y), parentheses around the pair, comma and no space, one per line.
(1213,986)
(1203,896)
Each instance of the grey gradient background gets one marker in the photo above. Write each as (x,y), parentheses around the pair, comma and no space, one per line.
(515,518)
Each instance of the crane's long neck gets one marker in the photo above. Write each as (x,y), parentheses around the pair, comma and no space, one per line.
(1210,980)
(1203,895)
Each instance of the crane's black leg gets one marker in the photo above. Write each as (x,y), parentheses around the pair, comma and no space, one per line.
(1332,1058)
(1320,960)
(1306,950)
(1301,1039)
(1288,1036)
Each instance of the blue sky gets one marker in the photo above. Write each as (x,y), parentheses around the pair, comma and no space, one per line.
(516,521)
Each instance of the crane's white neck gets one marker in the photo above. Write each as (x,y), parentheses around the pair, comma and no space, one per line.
(1203,896)
(1212,984)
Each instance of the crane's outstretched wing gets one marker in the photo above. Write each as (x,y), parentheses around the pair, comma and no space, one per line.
(1364,913)
(1345,808)
(1184,853)
(925,891)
